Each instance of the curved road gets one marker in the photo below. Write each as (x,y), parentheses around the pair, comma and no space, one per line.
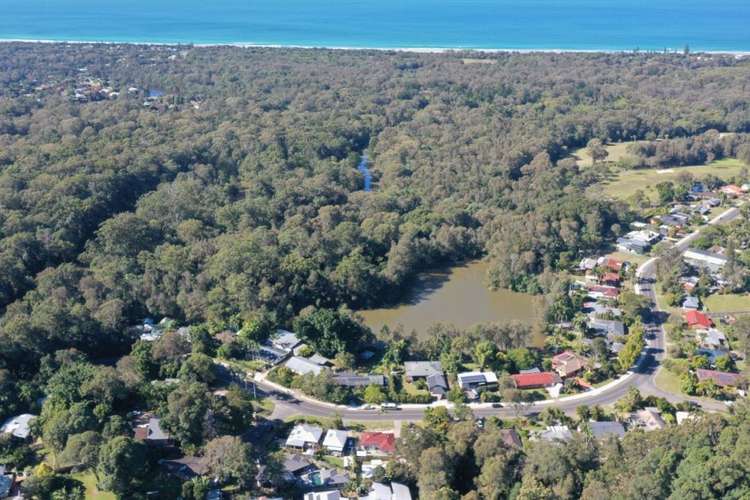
(640,377)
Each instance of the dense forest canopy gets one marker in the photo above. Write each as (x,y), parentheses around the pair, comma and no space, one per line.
(218,183)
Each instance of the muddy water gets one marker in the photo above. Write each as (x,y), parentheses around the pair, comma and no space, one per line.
(457,296)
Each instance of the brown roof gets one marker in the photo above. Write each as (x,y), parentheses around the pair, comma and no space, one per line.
(511,438)
(723,379)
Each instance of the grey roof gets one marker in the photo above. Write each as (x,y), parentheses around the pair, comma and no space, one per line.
(319,360)
(437,383)
(18,426)
(607,327)
(285,340)
(302,366)
(424,369)
(601,430)
(690,302)
(155,432)
(556,433)
(295,463)
(303,434)
(354,380)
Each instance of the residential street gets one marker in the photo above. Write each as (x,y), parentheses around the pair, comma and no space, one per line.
(641,377)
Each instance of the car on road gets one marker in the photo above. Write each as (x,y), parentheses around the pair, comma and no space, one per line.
(389,407)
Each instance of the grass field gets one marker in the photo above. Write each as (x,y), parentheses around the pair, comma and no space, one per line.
(92,492)
(728,303)
(624,183)
(668,381)
(617,151)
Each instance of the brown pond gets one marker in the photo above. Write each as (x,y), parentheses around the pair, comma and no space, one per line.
(457,296)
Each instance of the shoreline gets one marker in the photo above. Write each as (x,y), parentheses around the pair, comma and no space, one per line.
(417,50)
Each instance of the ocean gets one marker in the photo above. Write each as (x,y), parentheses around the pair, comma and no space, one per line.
(709,25)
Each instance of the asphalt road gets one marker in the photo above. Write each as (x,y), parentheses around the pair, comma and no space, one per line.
(642,376)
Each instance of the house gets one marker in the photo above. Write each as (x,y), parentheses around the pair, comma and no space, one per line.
(6,482)
(722,379)
(647,419)
(595,309)
(603,430)
(568,363)
(422,369)
(296,466)
(511,438)
(712,339)
(606,327)
(303,366)
(610,279)
(376,444)
(535,380)
(731,190)
(368,468)
(354,380)
(304,436)
(185,468)
(323,495)
(284,340)
(691,302)
(696,319)
(632,246)
(18,426)
(704,260)
(556,433)
(477,381)
(611,264)
(151,431)
(437,385)
(587,264)
(320,360)
(396,491)
(603,292)
(336,441)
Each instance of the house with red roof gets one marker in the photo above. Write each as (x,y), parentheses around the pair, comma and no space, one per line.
(611,279)
(611,264)
(602,291)
(536,380)
(696,319)
(376,444)
(732,190)
(722,379)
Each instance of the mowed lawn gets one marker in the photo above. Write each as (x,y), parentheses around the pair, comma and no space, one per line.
(623,184)
(617,151)
(731,302)
(92,492)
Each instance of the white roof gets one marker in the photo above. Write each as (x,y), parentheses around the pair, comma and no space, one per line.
(18,426)
(303,434)
(468,378)
(380,491)
(323,495)
(556,433)
(302,366)
(335,439)
(286,340)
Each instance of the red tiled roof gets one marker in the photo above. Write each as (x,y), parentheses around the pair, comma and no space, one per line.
(613,264)
(607,291)
(383,441)
(722,379)
(697,318)
(611,277)
(530,380)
